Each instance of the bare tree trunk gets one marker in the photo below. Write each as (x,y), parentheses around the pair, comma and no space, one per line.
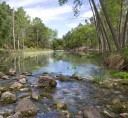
(120,22)
(14,46)
(125,29)
(100,23)
(110,24)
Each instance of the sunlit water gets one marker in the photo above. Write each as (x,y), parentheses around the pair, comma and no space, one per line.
(74,94)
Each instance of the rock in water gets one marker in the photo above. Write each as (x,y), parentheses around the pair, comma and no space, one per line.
(46,81)
(16,85)
(8,97)
(91,113)
(26,107)
(12,71)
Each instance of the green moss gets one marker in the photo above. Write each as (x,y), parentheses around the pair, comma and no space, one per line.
(7,101)
(45,95)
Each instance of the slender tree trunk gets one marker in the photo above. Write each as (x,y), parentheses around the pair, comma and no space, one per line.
(37,37)
(14,46)
(120,22)
(125,29)
(101,25)
(110,24)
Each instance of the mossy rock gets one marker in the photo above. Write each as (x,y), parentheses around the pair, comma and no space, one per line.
(61,106)
(119,108)
(45,95)
(7,101)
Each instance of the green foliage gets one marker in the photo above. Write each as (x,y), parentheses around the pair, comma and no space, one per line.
(123,75)
(27,33)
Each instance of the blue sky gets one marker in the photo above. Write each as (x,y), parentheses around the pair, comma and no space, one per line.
(54,16)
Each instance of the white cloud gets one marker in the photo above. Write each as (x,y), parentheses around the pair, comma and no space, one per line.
(23,3)
(72,25)
(49,14)
(87,14)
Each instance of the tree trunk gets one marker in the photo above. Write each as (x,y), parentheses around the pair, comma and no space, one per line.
(110,24)
(100,23)
(125,29)
(14,46)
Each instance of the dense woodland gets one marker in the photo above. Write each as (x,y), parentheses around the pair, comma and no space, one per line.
(18,31)
(107,30)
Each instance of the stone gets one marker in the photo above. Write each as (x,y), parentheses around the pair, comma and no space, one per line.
(116,101)
(24,89)
(107,114)
(35,96)
(61,78)
(89,112)
(16,85)
(6,112)
(61,106)
(22,80)
(8,97)
(76,77)
(124,115)
(1,116)
(45,81)
(26,107)
(12,71)
(16,115)
(27,73)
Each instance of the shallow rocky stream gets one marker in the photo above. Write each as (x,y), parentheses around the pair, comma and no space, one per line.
(59,85)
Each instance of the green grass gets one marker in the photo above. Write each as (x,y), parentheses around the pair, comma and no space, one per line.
(123,75)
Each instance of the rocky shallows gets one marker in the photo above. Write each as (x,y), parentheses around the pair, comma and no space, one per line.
(25,95)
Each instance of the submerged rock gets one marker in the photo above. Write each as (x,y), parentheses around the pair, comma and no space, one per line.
(45,81)
(8,97)
(91,113)
(61,106)
(54,114)
(26,107)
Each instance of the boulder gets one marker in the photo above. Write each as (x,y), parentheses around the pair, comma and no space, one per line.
(89,112)
(115,61)
(24,89)
(22,79)
(8,97)
(16,85)
(12,71)
(26,107)
(45,81)
(3,76)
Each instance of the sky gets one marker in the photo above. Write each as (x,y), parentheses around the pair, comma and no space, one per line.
(52,14)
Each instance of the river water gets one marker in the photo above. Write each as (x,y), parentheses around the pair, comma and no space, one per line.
(75,94)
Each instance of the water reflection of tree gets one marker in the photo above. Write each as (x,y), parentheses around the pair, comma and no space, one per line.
(22,63)
(74,58)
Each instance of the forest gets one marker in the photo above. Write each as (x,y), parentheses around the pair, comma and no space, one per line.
(18,31)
